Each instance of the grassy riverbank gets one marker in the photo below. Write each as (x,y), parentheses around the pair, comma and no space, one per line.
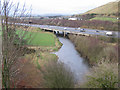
(38,38)
(43,43)
(103,55)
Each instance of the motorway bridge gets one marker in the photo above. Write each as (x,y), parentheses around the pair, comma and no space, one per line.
(69,30)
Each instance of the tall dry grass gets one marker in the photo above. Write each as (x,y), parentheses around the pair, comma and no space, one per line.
(94,49)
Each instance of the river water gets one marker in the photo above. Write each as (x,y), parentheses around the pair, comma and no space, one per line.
(70,57)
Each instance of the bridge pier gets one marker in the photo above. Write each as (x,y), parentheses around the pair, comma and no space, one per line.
(53,31)
(64,33)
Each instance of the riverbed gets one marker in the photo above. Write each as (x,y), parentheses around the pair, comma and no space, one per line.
(72,59)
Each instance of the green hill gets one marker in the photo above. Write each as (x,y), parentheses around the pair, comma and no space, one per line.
(109,8)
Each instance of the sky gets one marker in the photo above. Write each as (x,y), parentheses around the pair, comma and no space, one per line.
(63,7)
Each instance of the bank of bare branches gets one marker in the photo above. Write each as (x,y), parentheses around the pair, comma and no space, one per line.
(12,41)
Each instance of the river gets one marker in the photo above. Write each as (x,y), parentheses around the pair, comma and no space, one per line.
(70,57)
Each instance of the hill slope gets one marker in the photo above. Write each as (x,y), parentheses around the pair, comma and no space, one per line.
(108,8)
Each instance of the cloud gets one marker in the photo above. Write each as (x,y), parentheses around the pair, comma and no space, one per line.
(62,6)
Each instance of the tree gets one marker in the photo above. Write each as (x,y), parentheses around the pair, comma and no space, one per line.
(56,75)
(11,50)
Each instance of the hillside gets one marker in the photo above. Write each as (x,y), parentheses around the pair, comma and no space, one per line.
(108,8)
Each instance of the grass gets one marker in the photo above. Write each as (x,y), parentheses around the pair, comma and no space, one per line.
(36,37)
(105,19)
(39,38)
(108,8)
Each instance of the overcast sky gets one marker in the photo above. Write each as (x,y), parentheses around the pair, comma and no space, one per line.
(41,7)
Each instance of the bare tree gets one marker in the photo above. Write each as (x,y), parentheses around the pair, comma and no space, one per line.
(0,56)
(13,40)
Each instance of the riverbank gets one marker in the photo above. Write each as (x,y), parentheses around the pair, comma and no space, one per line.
(43,43)
(95,49)
(102,55)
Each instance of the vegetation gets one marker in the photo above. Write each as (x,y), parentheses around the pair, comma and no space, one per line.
(39,38)
(88,46)
(42,55)
(105,19)
(10,52)
(108,8)
(16,43)
(108,39)
(103,55)
(56,75)
(105,75)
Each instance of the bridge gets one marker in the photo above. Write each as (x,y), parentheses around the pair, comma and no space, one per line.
(69,30)
(65,32)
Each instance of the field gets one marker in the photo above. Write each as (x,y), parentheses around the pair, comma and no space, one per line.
(105,19)
(40,39)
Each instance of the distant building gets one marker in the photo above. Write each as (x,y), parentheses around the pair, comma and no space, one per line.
(117,18)
(72,18)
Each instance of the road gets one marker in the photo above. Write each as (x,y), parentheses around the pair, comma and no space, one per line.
(87,31)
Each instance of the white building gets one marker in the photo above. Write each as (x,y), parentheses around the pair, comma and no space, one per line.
(117,18)
(72,18)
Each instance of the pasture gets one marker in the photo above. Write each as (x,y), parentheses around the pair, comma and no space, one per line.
(105,19)
(37,38)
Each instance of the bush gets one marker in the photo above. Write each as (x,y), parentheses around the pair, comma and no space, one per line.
(103,76)
(88,46)
(94,49)
(110,53)
(57,76)
(108,39)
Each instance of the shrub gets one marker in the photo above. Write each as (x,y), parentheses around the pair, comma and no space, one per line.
(88,46)
(56,75)
(109,53)
(103,76)
(94,49)
(108,39)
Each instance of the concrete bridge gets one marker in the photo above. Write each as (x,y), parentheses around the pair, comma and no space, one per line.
(69,30)
(65,32)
